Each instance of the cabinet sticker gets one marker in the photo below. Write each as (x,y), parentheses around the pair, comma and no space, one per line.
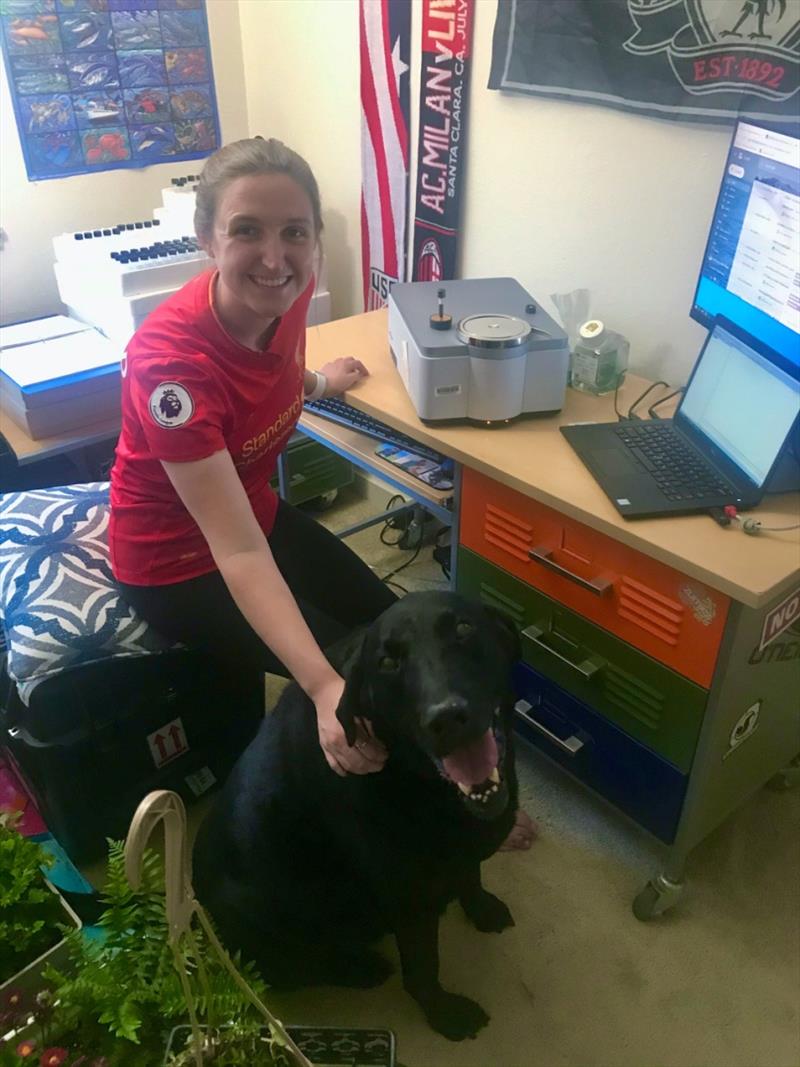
(780,618)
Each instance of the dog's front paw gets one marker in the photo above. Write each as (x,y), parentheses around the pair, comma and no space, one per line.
(455,1017)
(487,912)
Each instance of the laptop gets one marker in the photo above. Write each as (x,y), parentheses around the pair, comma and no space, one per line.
(738,411)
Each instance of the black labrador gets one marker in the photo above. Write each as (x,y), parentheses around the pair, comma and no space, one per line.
(302,869)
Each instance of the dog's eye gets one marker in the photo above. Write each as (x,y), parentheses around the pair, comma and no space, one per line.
(464,630)
(388,664)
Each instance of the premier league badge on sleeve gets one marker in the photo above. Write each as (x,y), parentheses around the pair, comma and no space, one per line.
(170,405)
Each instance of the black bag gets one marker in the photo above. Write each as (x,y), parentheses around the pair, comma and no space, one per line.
(97,738)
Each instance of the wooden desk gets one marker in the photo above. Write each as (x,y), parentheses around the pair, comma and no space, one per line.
(532,456)
(29,451)
(675,705)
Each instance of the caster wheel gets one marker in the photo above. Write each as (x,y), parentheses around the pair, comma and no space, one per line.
(658,896)
(644,904)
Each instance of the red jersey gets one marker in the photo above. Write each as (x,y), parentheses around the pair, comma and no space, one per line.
(190,390)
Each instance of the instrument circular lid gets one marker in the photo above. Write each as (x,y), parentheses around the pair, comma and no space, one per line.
(493,331)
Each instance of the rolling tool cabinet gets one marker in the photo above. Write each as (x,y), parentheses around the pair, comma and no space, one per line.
(646,684)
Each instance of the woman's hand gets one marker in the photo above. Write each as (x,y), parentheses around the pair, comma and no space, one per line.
(366,756)
(343,373)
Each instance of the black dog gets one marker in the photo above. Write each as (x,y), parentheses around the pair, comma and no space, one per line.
(303,869)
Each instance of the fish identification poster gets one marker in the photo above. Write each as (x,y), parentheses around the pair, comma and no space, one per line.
(106,84)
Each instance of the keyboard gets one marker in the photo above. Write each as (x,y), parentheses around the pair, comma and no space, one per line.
(680,472)
(340,411)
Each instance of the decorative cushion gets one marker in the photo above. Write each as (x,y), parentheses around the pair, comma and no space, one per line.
(59,603)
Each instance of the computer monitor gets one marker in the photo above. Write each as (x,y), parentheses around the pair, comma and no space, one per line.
(751,267)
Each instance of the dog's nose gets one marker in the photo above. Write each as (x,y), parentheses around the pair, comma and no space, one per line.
(446,720)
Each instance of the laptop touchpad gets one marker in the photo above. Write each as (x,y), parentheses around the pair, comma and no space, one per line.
(614,462)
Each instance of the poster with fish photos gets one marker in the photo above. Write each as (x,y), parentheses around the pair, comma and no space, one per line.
(105,84)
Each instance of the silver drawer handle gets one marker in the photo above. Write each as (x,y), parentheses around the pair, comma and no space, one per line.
(571,746)
(587,669)
(598,586)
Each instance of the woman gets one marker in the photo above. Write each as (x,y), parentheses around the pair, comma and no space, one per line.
(213,386)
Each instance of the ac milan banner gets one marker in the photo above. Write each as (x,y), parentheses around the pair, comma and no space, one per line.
(385,40)
(446,39)
(691,60)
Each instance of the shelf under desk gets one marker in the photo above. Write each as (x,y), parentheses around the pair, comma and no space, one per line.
(359,448)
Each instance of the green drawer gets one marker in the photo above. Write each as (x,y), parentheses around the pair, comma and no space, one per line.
(314,470)
(650,702)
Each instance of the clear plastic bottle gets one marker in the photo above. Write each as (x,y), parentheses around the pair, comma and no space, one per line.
(598,359)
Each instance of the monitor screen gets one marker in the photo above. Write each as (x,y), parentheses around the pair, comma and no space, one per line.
(743,402)
(751,268)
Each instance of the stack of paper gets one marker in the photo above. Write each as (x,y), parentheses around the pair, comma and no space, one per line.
(55,384)
(25,333)
(73,357)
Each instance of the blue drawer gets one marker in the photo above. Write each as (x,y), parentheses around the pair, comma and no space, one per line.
(626,773)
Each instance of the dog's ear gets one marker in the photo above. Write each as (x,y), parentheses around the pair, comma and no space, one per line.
(355,698)
(507,631)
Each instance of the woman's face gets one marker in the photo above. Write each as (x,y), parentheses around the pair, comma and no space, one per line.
(263,243)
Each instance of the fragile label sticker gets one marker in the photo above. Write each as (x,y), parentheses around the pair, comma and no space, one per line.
(168,742)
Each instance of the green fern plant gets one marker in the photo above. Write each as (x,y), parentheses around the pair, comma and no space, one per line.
(29,911)
(123,994)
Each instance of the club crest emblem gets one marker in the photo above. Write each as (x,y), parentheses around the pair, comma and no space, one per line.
(713,46)
(170,405)
(429,264)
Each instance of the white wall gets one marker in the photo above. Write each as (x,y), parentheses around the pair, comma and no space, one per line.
(32,213)
(559,195)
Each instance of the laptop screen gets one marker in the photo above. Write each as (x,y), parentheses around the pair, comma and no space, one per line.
(742,402)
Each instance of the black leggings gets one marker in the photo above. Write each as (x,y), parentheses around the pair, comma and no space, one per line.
(334,589)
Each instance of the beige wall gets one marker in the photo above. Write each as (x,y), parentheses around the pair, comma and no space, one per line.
(559,195)
(302,83)
(32,213)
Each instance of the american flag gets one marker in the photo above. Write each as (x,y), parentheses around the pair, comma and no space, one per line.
(385,42)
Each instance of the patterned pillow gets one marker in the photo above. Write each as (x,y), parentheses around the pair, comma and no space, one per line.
(59,603)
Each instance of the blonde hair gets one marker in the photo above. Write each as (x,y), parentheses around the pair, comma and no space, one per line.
(239,159)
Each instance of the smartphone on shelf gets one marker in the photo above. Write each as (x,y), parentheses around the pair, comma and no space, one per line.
(427,470)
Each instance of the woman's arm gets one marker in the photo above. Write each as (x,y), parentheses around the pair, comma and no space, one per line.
(215,498)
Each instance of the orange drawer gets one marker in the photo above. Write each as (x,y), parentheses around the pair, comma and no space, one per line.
(671,617)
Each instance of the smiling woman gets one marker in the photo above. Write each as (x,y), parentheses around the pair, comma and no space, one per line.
(258,216)
(212,391)
(263,243)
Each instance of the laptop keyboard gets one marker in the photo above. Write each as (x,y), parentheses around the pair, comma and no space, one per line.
(679,471)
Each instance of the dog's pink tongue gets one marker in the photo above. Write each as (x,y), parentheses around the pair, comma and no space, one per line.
(474,763)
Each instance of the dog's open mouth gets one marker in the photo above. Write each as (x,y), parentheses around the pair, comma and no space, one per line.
(477,769)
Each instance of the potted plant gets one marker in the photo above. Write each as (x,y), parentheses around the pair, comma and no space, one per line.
(154,980)
(33,915)
(121,994)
